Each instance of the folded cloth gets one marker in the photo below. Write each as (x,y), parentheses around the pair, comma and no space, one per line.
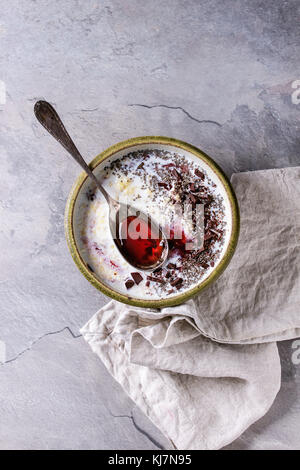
(206,370)
(258,297)
(200,394)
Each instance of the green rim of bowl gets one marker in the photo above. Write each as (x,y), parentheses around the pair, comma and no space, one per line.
(180,298)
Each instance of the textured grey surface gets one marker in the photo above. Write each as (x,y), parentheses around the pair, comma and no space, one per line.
(216,74)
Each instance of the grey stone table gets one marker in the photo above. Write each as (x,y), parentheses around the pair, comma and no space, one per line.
(217,74)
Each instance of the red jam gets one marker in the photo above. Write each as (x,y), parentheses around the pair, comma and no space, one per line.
(140,243)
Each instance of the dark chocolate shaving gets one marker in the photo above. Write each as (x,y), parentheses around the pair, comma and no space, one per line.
(156,279)
(208,236)
(164,185)
(199,173)
(192,198)
(137,277)
(204,265)
(176,282)
(171,266)
(129,283)
(175,173)
(157,270)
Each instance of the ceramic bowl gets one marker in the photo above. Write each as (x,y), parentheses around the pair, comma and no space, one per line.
(173,145)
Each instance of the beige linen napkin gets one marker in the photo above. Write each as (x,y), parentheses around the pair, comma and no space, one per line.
(177,363)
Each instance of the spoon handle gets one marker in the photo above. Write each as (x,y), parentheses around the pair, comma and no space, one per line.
(51,121)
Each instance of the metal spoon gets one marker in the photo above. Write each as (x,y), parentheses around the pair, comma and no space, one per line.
(118,211)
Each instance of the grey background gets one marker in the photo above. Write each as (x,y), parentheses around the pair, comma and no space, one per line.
(114,70)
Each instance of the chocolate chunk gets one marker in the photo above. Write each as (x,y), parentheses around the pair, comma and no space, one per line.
(156,279)
(204,265)
(176,282)
(137,277)
(170,291)
(147,283)
(199,173)
(129,283)
(168,274)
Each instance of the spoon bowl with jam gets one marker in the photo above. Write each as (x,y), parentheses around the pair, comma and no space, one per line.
(138,238)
